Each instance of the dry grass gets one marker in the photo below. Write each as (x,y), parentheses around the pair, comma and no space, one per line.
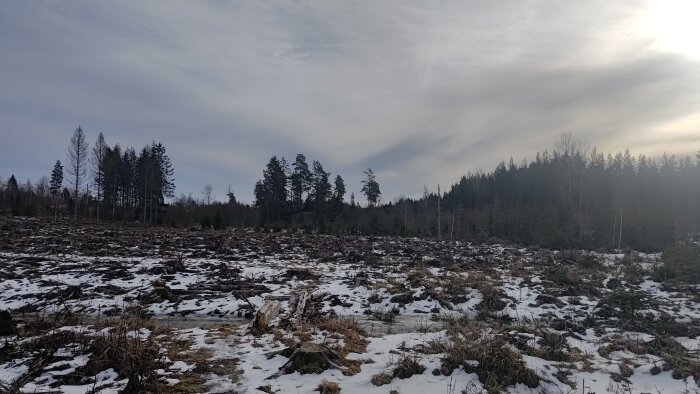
(352,334)
(676,358)
(497,365)
(328,387)
(134,346)
(420,275)
(408,366)
(492,299)
(381,379)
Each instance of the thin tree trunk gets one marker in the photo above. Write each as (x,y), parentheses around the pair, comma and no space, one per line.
(75,201)
(99,191)
(619,240)
(438,216)
(614,231)
(404,217)
(114,199)
(145,194)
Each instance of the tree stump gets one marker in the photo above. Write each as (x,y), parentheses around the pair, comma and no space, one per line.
(7,325)
(308,357)
(261,322)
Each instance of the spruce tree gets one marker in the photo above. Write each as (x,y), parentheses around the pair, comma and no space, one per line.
(55,185)
(98,158)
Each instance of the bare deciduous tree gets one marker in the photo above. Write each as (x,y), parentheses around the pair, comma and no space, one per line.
(208,192)
(42,190)
(77,164)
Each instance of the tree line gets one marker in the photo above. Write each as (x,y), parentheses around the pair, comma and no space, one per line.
(296,195)
(285,190)
(569,196)
(105,182)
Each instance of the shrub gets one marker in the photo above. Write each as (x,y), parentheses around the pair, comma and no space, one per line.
(681,263)
(496,364)
(588,261)
(626,304)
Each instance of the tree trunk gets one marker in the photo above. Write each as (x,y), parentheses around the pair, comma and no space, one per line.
(438,216)
(614,231)
(145,200)
(75,201)
(619,240)
(99,192)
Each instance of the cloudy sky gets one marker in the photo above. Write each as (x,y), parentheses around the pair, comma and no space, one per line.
(421,91)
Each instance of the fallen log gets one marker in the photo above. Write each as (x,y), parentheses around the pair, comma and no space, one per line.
(300,299)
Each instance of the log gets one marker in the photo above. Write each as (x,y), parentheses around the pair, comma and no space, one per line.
(298,314)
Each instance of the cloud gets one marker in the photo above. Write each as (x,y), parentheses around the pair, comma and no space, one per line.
(422,91)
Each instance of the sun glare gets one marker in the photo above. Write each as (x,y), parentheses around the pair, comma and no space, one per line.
(674,26)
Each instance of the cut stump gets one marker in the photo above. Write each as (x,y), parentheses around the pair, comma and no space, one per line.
(308,358)
(261,322)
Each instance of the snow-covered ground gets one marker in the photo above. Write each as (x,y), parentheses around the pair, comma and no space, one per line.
(598,327)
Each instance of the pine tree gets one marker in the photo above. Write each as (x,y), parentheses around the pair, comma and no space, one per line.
(321,191)
(339,189)
(338,192)
(230,195)
(370,187)
(301,179)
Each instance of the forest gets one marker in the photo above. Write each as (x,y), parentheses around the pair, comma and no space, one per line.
(572,196)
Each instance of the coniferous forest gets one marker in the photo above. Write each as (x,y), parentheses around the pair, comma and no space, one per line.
(569,196)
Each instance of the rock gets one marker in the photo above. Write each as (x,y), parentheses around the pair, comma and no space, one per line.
(334,300)
(70,293)
(402,299)
(614,283)
(161,292)
(544,299)
(300,274)
(570,326)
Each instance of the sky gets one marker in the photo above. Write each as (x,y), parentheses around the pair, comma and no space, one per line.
(420,91)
